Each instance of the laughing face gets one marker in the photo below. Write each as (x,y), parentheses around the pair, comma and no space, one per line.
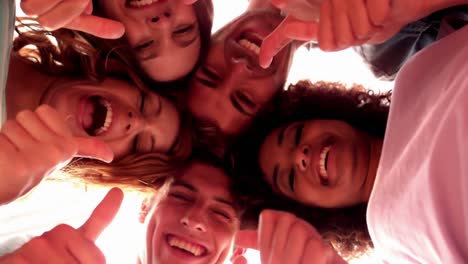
(325,163)
(160,32)
(230,88)
(128,119)
(196,221)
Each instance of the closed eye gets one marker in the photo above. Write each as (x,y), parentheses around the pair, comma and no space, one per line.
(184,29)
(144,45)
(245,99)
(208,77)
(180,197)
(223,214)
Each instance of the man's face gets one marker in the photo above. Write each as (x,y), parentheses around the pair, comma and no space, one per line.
(230,88)
(196,221)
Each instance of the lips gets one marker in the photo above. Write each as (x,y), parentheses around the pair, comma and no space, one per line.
(189,247)
(140,3)
(244,42)
(323,165)
(96,115)
(251,42)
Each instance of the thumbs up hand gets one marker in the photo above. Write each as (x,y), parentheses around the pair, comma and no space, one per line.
(65,244)
(34,145)
(284,238)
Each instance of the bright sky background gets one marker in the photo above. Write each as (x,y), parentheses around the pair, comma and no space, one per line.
(54,203)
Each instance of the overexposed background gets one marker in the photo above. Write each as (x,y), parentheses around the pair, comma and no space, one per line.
(54,203)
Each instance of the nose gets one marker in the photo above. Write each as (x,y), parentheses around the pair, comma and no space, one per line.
(134,122)
(302,158)
(194,220)
(161,19)
(241,64)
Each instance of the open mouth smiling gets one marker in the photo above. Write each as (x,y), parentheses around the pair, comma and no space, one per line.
(323,165)
(251,42)
(140,3)
(187,247)
(101,114)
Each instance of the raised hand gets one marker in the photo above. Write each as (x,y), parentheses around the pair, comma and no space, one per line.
(65,244)
(34,145)
(299,24)
(284,238)
(76,14)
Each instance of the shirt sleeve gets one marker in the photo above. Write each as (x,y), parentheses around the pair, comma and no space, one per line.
(7,26)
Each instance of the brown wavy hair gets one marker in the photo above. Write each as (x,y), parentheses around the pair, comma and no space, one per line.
(63,53)
(119,48)
(345,228)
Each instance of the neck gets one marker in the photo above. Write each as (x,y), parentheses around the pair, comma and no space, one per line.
(25,86)
(374,158)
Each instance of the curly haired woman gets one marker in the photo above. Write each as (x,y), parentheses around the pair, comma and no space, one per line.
(334,136)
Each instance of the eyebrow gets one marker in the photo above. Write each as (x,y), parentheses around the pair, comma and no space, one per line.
(281,135)
(192,188)
(224,201)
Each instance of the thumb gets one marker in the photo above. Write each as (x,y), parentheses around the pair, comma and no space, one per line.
(300,30)
(103,215)
(273,44)
(247,239)
(95,149)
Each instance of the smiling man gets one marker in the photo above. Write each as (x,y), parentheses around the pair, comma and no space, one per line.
(195,220)
(230,88)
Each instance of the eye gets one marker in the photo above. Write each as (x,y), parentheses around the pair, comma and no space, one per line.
(184,29)
(291,180)
(208,77)
(224,215)
(180,196)
(206,82)
(144,45)
(299,130)
(245,99)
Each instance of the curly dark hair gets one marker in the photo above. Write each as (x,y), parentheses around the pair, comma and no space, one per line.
(345,228)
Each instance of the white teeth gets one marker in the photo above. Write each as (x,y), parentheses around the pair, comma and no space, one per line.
(250,46)
(196,250)
(323,157)
(140,3)
(108,120)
